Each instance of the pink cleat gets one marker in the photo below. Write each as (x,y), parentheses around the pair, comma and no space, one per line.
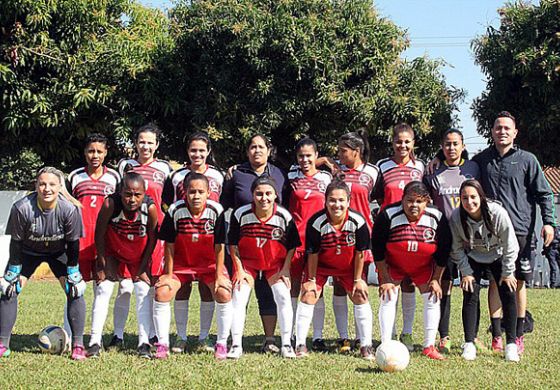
(162,351)
(497,345)
(220,351)
(4,351)
(520,341)
(78,353)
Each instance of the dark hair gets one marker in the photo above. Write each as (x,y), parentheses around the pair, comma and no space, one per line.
(267,142)
(148,128)
(192,176)
(131,176)
(264,180)
(338,183)
(357,140)
(306,142)
(416,188)
(96,137)
(204,137)
(485,211)
(405,127)
(505,114)
(452,131)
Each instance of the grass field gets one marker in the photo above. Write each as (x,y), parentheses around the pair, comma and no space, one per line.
(41,304)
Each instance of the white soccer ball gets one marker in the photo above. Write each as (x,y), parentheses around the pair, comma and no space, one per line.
(53,339)
(392,356)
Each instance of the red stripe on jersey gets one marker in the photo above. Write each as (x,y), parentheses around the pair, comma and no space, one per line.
(396,178)
(126,240)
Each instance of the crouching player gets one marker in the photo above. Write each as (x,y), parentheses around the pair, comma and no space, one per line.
(409,238)
(194,233)
(125,236)
(44,227)
(336,239)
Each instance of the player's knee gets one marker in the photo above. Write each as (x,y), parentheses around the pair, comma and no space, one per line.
(126,287)
(309,297)
(163,294)
(223,295)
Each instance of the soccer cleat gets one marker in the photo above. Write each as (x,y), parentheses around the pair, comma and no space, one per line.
(116,343)
(180,346)
(511,353)
(301,351)
(235,352)
(162,351)
(406,339)
(287,352)
(497,344)
(344,346)
(94,351)
(269,347)
(444,345)
(4,351)
(469,351)
(220,351)
(144,351)
(319,345)
(153,340)
(367,352)
(78,352)
(356,345)
(520,342)
(432,353)
(205,346)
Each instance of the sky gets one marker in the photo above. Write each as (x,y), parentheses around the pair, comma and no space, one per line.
(440,29)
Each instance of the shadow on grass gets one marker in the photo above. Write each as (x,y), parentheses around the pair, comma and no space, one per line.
(370,370)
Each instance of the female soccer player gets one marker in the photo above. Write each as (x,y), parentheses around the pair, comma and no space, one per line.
(194,235)
(444,185)
(263,238)
(484,240)
(44,227)
(396,172)
(336,238)
(410,238)
(125,237)
(307,196)
(199,153)
(237,192)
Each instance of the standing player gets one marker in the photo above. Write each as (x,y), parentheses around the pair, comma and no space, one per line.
(194,235)
(444,185)
(44,227)
(307,196)
(263,238)
(336,239)
(125,236)
(410,238)
(199,152)
(396,172)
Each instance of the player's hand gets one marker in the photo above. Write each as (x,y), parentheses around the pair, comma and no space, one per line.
(467,283)
(310,287)
(360,287)
(433,166)
(240,277)
(229,172)
(163,280)
(547,234)
(284,276)
(386,290)
(100,269)
(75,285)
(329,162)
(222,282)
(143,276)
(509,281)
(10,283)
(435,290)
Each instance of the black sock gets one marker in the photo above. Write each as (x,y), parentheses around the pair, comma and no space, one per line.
(445,314)
(77,319)
(496,327)
(8,314)
(520,326)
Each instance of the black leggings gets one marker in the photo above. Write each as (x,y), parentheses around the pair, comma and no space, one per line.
(471,302)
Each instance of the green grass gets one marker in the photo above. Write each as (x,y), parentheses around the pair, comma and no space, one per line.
(41,304)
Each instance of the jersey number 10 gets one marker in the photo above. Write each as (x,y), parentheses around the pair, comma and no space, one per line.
(413,246)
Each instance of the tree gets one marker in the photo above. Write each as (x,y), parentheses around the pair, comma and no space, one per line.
(521,60)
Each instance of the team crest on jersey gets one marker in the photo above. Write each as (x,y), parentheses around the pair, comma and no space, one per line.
(364,179)
(429,235)
(142,230)
(351,239)
(108,190)
(214,187)
(159,177)
(209,226)
(321,187)
(277,233)
(415,175)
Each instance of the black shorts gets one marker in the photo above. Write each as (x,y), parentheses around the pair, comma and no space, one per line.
(523,264)
(56,262)
(451,272)
(265,297)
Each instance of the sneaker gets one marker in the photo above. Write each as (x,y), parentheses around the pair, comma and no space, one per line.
(344,346)
(319,345)
(287,352)
(469,351)
(269,347)
(520,342)
(144,351)
(235,352)
(479,344)
(497,344)
(116,343)
(444,345)
(432,353)
(205,346)
(162,351)
(301,351)
(220,351)
(94,351)
(4,351)
(153,340)
(406,339)
(512,354)
(356,345)
(78,352)
(180,346)
(367,352)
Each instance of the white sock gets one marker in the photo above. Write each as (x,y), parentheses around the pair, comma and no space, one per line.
(152,298)
(122,306)
(143,311)
(340,308)
(408,309)
(162,320)
(224,318)
(239,300)
(206,315)
(319,319)
(181,310)
(431,319)
(387,314)
(304,315)
(99,310)
(281,294)
(294,313)
(364,323)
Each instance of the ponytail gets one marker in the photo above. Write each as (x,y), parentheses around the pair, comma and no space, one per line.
(357,140)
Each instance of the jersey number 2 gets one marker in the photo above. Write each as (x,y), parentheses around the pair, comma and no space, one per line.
(93,202)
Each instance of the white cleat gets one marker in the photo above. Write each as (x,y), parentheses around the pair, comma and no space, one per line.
(469,351)
(512,355)
(287,352)
(235,352)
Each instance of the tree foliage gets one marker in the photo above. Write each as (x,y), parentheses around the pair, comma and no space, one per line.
(521,59)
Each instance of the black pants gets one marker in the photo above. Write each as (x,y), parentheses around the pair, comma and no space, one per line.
(471,302)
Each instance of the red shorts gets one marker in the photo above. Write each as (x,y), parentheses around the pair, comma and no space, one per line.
(420,275)
(207,277)
(87,269)
(128,270)
(158,263)
(346,281)
(266,272)
(298,264)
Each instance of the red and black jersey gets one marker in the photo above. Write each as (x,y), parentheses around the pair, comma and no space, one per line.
(91,193)
(126,239)
(263,245)
(194,238)
(307,196)
(336,248)
(394,177)
(398,241)
(173,189)
(362,182)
